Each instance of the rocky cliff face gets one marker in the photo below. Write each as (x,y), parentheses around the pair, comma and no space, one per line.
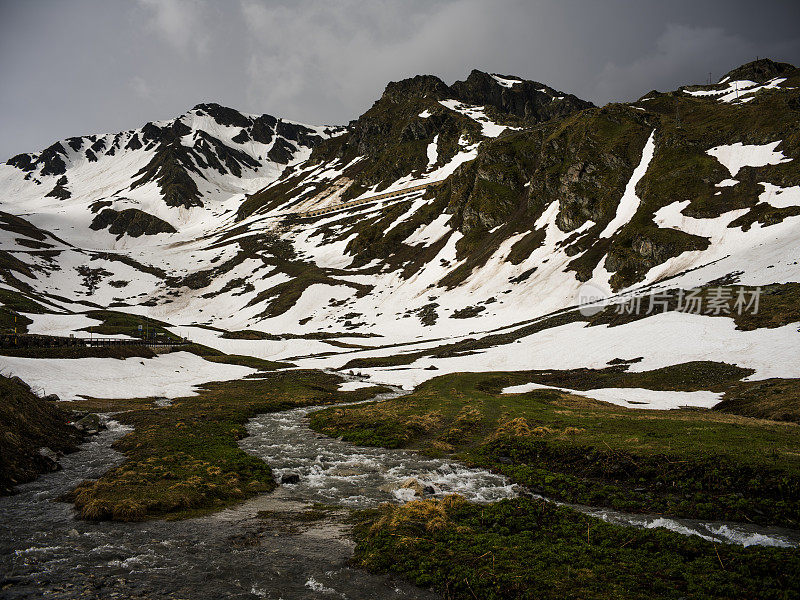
(392,138)
(583,160)
(208,144)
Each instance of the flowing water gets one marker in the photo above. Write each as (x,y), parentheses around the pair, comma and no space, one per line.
(260,548)
(332,471)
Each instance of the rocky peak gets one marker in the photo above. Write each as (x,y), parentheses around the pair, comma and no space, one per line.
(519,97)
(760,70)
(416,87)
(223,115)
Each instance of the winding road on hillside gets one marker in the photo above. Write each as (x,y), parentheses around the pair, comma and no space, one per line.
(360,201)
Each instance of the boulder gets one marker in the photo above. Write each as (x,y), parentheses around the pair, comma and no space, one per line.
(413,484)
(290,478)
(50,459)
(90,424)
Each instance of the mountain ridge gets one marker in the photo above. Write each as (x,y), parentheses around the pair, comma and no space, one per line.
(531,195)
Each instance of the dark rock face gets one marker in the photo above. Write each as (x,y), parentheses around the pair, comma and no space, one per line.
(420,86)
(49,459)
(760,70)
(33,433)
(131,221)
(281,151)
(179,162)
(224,115)
(89,423)
(151,133)
(263,129)
(133,143)
(24,162)
(583,170)
(394,135)
(290,478)
(525,99)
(60,190)
(167,168)
(297,133)
(241,137)
(221,157)
(52,161)
(99,145)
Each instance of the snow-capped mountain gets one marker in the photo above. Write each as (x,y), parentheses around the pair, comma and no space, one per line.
(177,172)
(449,227)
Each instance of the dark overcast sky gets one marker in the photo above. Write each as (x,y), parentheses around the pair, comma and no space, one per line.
(74,67)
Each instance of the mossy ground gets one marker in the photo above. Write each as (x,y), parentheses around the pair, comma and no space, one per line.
(691,463)
(183,459)
(524,548)
(14,303)
(119,352)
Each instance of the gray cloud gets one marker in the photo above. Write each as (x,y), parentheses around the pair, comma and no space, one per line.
(181,23)
(85,66)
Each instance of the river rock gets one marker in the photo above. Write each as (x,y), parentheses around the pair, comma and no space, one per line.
(344,472)
(50,459)
(290,478)
(52,398)
(90,424)
(413,484)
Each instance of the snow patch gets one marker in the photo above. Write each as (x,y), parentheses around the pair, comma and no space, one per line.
(629,203)
(735,156)
(506,82)
(171,375)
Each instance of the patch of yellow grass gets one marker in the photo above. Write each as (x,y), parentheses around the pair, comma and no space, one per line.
(427,422)
(508,427)
(417,515)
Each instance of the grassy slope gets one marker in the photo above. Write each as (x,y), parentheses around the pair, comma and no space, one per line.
(693,463)
(119,352)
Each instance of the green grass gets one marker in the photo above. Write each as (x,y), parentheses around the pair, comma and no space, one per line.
(183,460)
(13,303)
(692,463)
(524,548)
(246,361)
(118,323)
(776,399)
